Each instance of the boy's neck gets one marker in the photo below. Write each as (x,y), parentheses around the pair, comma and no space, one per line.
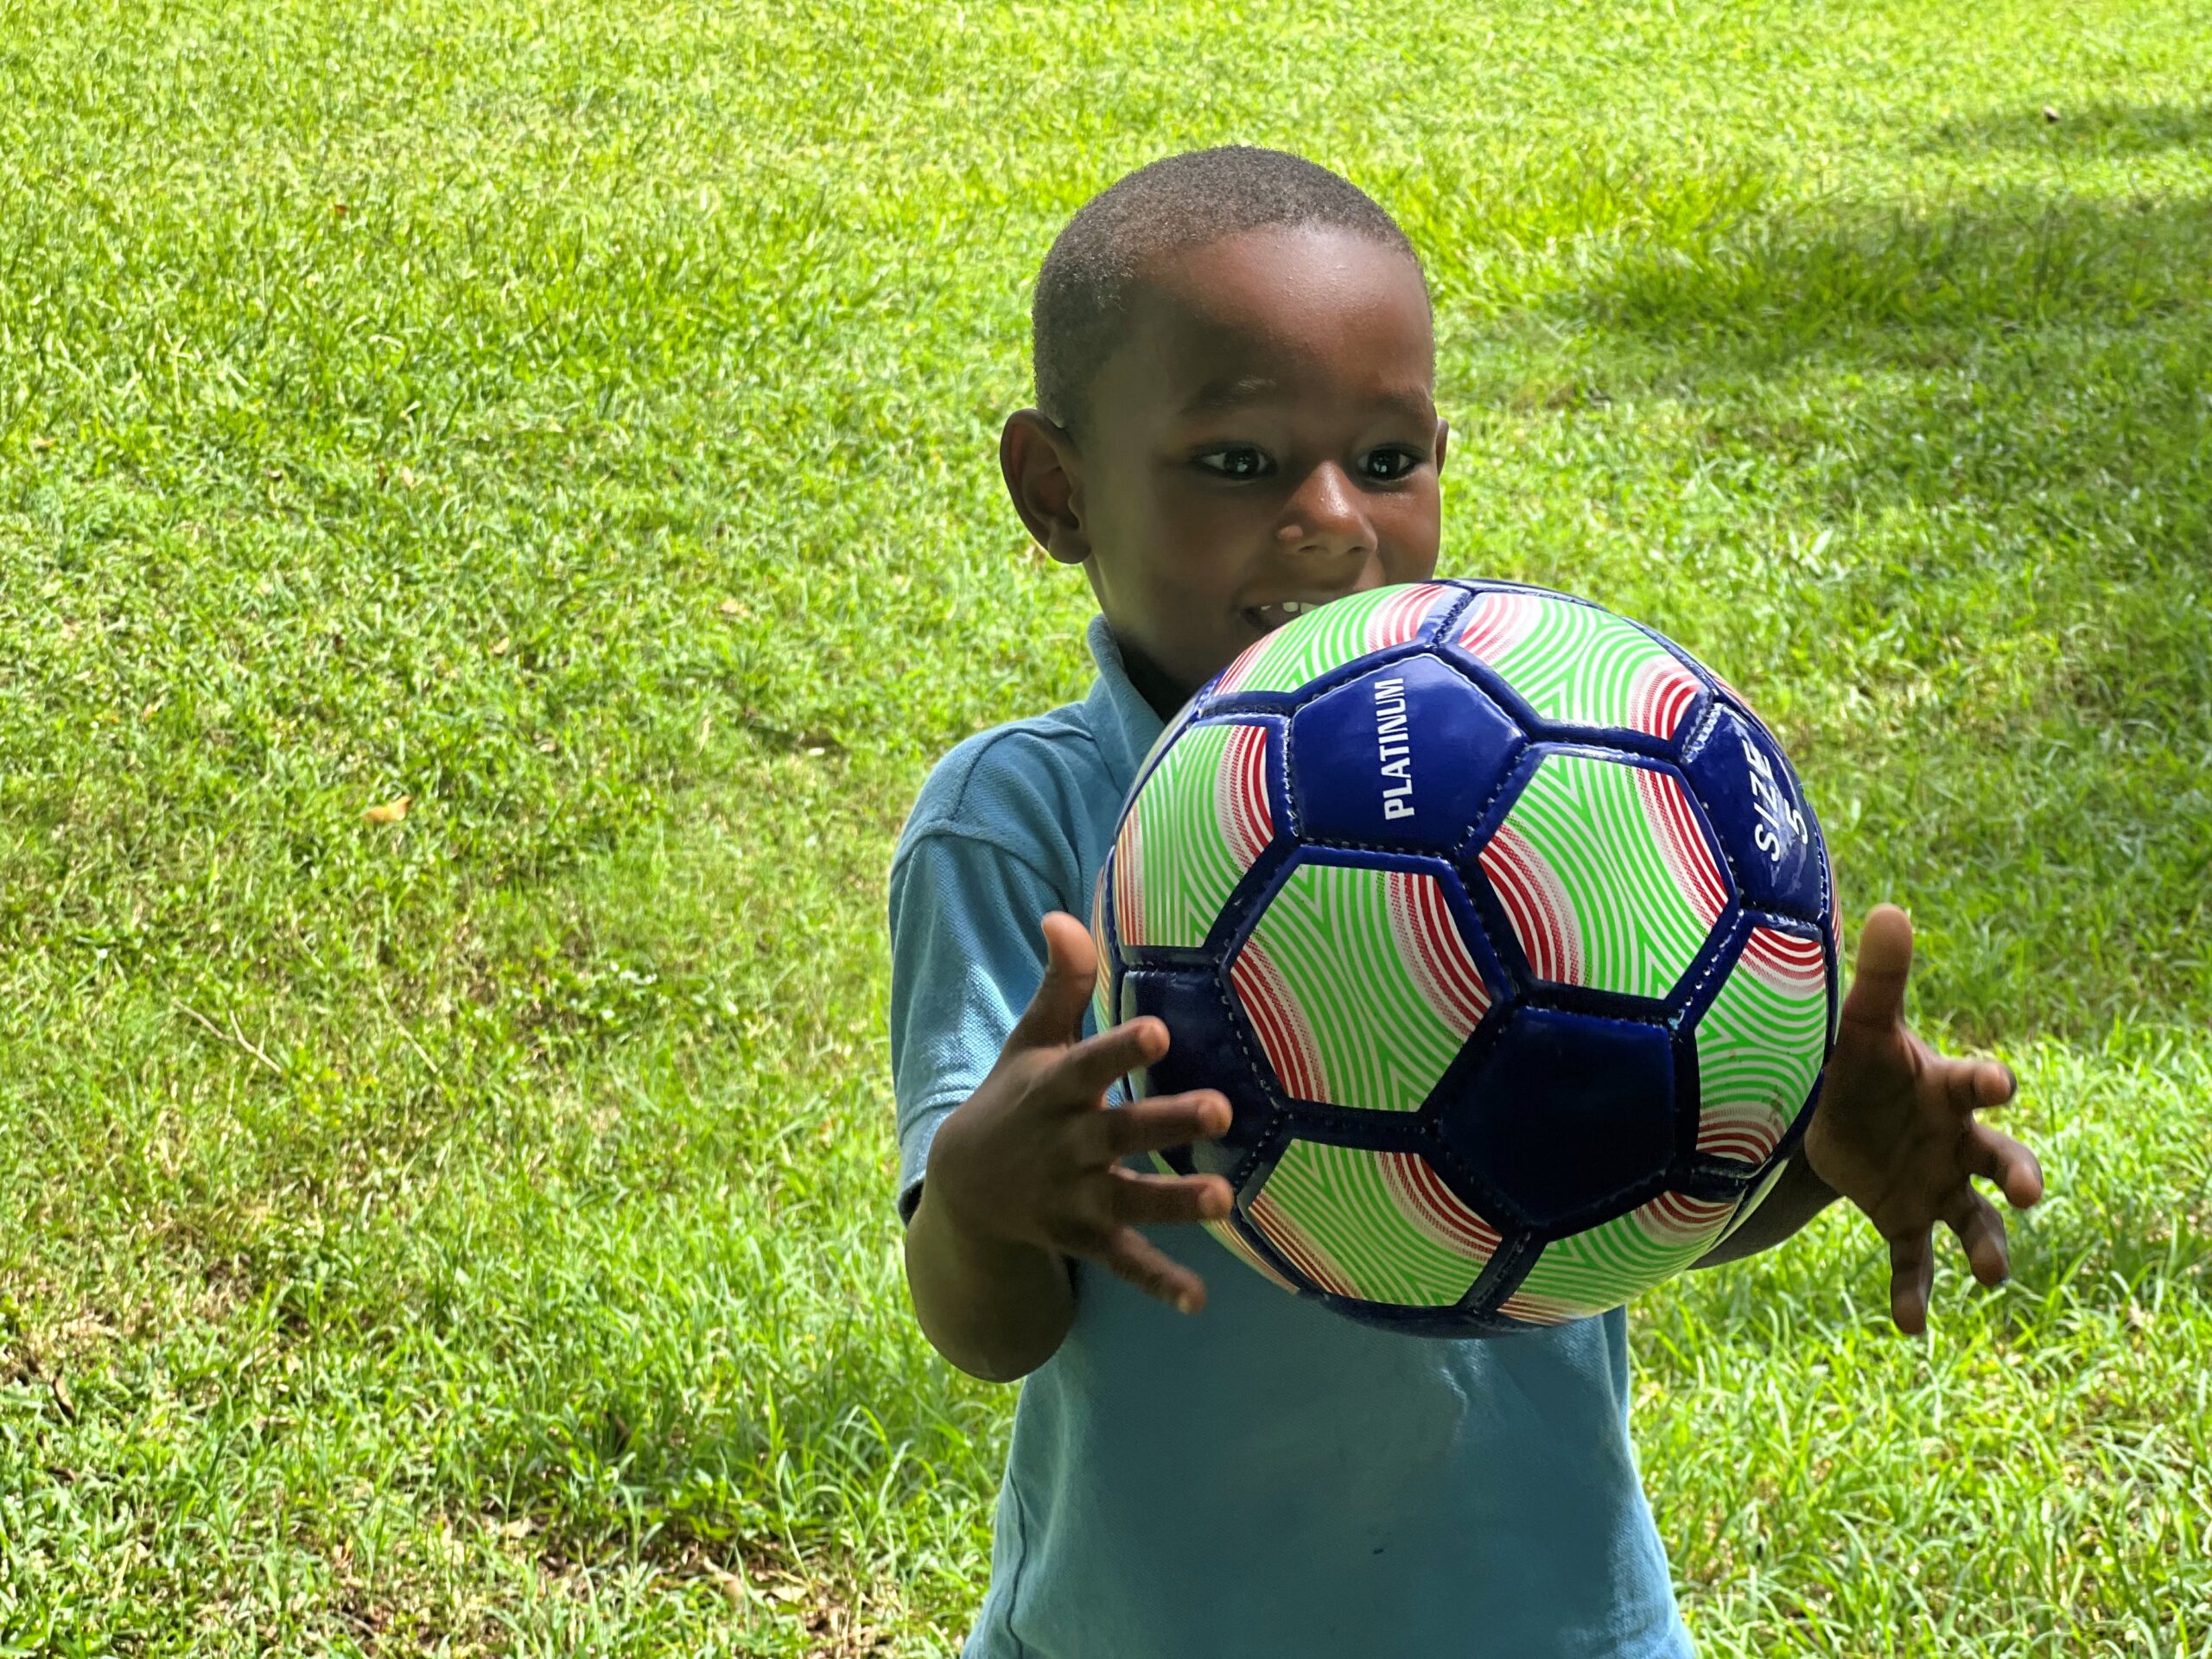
(1164,696)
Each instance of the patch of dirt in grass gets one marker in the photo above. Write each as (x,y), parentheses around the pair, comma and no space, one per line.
(762,1585)
(758,1581)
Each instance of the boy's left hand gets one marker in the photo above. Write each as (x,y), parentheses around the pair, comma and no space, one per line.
(1896,1131)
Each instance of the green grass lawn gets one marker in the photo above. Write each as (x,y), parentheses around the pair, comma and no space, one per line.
(474,1234)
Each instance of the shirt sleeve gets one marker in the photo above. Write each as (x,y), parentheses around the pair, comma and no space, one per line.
(966,957)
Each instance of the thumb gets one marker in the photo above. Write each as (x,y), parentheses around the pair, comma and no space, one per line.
(1054,1015)
(1877,996)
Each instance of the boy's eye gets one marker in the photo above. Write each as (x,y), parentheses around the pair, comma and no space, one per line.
(1387,466)
(1237,460)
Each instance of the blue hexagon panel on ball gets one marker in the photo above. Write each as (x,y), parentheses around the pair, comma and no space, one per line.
(1508,932)
(1351,757)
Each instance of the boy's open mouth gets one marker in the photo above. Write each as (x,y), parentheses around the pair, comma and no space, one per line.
(1269,617)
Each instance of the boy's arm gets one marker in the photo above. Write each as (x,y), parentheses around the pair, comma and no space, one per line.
(997,1310)
(1026,1173)
(1796,1198)
(1896,1133)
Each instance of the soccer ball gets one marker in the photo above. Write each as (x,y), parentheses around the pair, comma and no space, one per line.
(1506,930)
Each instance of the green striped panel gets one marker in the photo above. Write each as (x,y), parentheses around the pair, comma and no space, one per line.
(1184,868)
(1759,1047)
(1639,932)
(1310,645)
(1168,734)
(1327,931)
(1578,665)
(1340,1196)
(1606,1265)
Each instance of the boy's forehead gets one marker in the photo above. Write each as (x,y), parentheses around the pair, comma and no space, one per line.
(1258,316)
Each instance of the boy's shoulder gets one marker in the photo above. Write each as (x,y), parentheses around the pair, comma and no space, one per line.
(1027,786)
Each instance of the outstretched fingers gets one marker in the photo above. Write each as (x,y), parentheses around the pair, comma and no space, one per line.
(1097,1064)
(1154,1200)
(1157,1124)
(1981,1230)
(1055,1013)
(1876,999)
(1129,1255)
(1971,1086)
(1913,1275)
(2005,1164)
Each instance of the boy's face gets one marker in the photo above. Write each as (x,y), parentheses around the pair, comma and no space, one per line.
(1266,440)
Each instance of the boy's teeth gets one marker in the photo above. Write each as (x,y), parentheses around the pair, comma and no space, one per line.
(1281,610)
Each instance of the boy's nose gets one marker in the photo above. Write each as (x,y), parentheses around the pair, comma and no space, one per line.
(1327,515)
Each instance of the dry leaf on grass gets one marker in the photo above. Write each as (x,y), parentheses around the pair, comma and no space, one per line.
(391,812)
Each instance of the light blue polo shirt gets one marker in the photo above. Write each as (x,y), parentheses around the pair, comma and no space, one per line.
(1264,1477)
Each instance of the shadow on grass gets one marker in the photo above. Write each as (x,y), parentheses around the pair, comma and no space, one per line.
(2104,129)
(1997,413)
(2005,262)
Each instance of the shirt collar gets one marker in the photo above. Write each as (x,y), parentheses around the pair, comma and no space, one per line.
(1123,720)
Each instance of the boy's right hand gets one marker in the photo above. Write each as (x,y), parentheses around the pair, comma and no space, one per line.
(1033,1156)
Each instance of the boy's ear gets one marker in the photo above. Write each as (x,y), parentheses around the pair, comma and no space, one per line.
(1443,441)
(1044,475)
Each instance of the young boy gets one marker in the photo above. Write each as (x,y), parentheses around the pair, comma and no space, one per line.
(1235,422)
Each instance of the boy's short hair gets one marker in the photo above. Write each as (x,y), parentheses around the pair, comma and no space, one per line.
(1178,201)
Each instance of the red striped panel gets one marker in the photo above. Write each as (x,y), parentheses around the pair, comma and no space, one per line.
(1102,995)
(1434,952)
(1538,1310)
(1689,860)
(1298,1246)
(1285,1037)
(1241,805)
(1128,883)
(1400,620)
(1747,1131)
(1496,623)
(1786,964)
(1678,1218)
(1235,1241)
(1537,904)
(1434,1208)
(1660,696)
(1234,675)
